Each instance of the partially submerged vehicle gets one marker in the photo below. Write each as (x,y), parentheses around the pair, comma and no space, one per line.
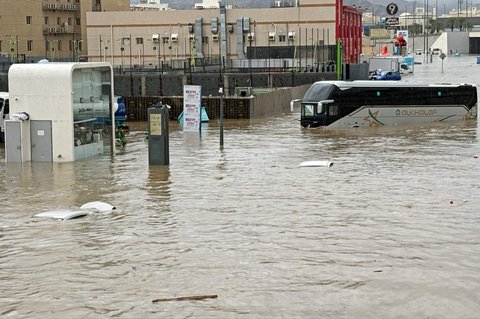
(342,104)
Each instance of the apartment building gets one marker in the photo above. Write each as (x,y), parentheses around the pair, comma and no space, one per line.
(31,30)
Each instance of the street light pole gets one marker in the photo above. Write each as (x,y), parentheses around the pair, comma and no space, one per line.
(221,116)
(131,75)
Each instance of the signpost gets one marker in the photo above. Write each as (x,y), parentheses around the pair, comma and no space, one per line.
(392,8)
(442,56)
(392,22)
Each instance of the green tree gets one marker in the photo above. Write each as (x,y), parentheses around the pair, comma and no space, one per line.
(457,24)
(451,23)
(466,25)
(415,29)
(435,26)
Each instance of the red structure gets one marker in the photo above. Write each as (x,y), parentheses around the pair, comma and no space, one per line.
(348,29)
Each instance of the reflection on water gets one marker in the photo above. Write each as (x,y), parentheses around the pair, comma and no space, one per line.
(390,231)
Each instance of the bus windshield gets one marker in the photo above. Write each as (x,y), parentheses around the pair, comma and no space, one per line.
(318,92)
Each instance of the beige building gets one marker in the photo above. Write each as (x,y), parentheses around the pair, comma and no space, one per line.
(53,29)
(156,38)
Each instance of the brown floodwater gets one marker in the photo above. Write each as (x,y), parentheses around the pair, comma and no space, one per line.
(391,230)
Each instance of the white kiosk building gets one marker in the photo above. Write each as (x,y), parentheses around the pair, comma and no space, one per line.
(59,112)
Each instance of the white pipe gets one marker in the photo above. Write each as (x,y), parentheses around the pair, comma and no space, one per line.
(316,164)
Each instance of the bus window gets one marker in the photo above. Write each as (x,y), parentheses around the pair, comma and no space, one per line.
(333,110)
(308,109)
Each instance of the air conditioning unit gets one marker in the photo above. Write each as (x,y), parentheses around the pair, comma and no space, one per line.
(174,37)
(155,38)
(291,35)
(271,36)
(251,36)
(191,37)
(215,37)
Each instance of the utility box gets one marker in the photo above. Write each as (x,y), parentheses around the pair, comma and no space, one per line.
(60,112)
(158,139)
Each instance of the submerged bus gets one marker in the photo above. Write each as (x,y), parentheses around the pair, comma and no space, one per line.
(342,104)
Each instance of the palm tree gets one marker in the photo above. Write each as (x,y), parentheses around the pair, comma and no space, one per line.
(435,26)
(466,25)
(457,23)
(451,23)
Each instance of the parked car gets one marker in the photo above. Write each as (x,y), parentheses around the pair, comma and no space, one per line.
(436,51)
(387,75)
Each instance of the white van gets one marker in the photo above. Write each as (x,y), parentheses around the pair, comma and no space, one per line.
(4,113)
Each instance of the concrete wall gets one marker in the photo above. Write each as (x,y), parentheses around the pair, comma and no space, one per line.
(172,84)
(276,102)
(457,41)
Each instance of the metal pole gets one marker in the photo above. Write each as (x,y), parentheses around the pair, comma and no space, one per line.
(16,48)
(221,116)
(131,76)
(250,62)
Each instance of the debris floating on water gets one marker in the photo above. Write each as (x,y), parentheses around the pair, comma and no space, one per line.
(63,214)
(201,297)
(99,206)
(85,209)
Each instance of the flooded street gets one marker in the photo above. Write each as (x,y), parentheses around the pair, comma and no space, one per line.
(391,230)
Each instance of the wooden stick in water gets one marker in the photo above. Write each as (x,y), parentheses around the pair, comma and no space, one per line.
(185,298)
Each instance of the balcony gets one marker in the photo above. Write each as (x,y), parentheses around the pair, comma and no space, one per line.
(59,30)
(53,6)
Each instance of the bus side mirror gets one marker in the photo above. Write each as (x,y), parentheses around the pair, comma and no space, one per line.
(320,105)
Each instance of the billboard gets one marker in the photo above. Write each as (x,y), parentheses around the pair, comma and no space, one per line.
(192,105)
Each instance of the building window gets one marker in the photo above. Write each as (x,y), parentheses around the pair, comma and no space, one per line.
(97,6)
(282,38)
(166,40)
(46,20)
(1,45)
(139,40)
(77,21)
(125,41)
(59,47)
(59,21)
(70,20)
(29,45)
(205,40)
(29,19)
